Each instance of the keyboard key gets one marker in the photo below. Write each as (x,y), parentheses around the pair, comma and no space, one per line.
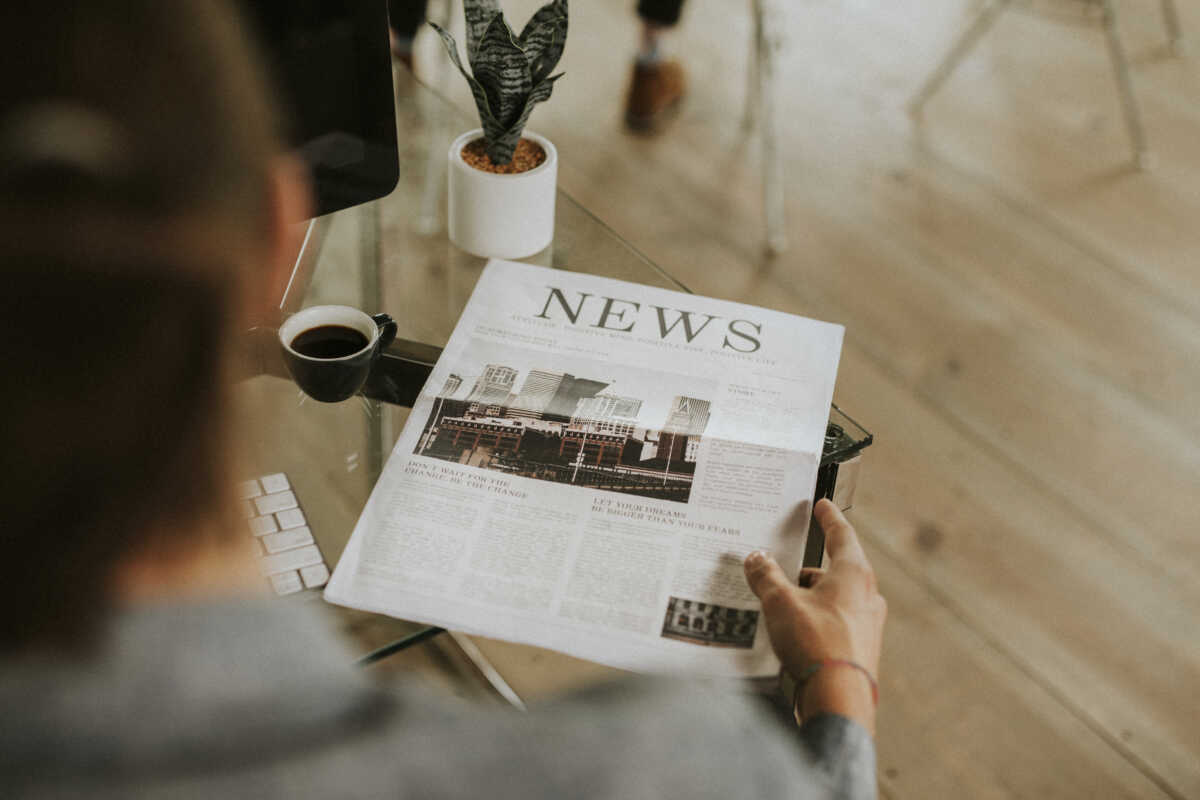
(290,518)
(275,483)
(290,559)
(286,582)
(315,576)
(275,502)
(260,526)
(287,540)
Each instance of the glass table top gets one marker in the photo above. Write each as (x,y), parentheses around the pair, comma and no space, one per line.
(393,255)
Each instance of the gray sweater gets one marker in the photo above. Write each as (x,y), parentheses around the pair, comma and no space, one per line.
(259,700)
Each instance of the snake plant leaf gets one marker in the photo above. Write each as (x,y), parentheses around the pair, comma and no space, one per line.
(501,67)
(511,74)
(479,15)
(544,37)
(482,104)
(500,148)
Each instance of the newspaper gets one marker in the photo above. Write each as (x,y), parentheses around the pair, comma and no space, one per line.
(588,465)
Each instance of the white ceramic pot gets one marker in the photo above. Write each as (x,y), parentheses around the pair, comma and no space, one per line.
(501,216)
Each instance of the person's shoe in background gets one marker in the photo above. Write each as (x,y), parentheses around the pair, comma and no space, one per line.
(655,94)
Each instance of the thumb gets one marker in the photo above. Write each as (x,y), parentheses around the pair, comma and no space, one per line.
(764,575)
(781,606)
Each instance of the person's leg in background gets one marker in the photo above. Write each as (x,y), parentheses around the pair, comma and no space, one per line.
(405,18)
(658,80)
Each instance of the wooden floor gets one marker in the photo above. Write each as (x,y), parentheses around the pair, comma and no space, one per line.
(1022,315)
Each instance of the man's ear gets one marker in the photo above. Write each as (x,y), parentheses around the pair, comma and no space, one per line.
(289,197)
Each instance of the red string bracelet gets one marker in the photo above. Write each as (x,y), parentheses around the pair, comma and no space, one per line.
(812,669)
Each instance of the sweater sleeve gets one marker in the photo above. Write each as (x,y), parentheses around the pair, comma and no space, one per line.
(844,752)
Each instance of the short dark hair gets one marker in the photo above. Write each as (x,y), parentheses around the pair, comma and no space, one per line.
(121,121)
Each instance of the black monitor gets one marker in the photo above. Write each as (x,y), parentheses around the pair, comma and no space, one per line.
(330,62)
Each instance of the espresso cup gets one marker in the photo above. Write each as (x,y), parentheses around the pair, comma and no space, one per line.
(329,350)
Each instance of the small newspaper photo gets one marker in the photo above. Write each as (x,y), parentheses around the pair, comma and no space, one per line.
(587,467)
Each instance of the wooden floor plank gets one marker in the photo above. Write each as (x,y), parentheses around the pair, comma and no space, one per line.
(1066,605)
(1056,289)
(1048,129)
(958,720)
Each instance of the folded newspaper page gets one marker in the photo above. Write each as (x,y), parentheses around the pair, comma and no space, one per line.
(587,467)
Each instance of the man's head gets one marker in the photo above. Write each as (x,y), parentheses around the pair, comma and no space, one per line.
(141,202)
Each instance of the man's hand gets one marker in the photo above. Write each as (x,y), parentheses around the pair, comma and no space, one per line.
(835,612)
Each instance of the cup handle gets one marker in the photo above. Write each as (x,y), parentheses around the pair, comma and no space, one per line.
(387,330)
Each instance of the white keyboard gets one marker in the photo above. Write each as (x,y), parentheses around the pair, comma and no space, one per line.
(288,554)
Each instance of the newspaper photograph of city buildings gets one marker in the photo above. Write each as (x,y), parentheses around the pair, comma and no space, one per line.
(593,425)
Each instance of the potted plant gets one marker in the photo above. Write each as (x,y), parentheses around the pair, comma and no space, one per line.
(502,184)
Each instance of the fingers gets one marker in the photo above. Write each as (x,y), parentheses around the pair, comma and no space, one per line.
(764,575)
(840,539)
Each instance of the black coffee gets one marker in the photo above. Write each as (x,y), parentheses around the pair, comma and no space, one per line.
(329,341)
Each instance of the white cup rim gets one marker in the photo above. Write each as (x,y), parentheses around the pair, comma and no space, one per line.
(315,316)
